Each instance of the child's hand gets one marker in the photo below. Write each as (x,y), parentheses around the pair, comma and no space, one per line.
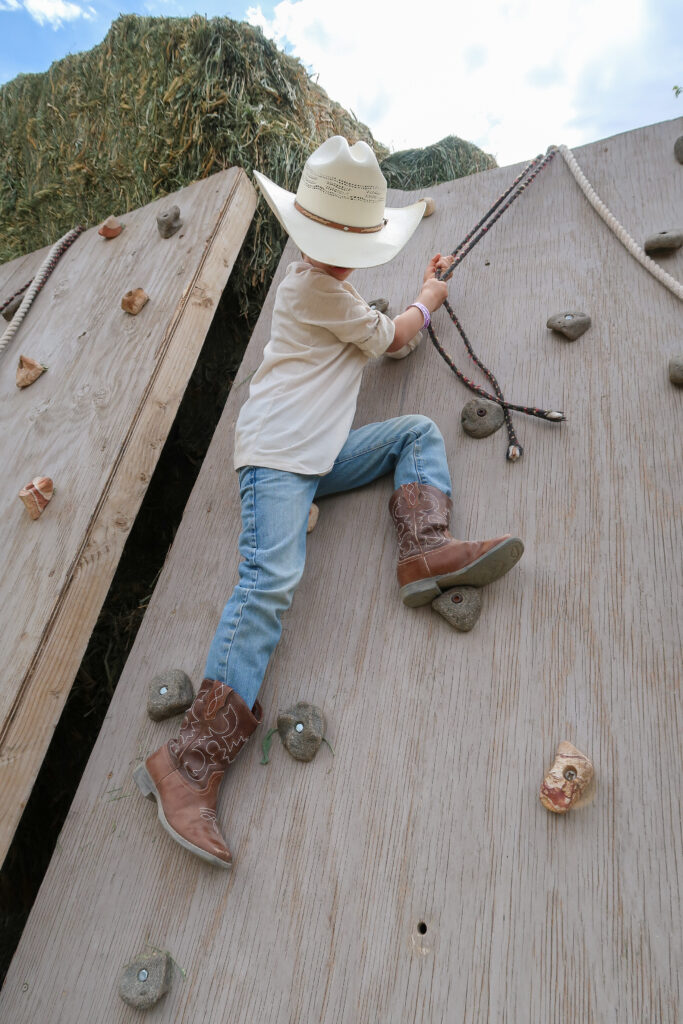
(433,291)
(432,294)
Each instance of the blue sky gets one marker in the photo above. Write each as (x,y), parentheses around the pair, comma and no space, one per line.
(512,76)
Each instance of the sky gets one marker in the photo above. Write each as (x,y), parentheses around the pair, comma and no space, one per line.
(512,76)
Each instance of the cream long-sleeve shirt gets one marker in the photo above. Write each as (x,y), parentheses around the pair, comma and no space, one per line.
(302,398)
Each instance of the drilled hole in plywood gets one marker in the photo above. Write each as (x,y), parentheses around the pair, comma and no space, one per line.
(422,928)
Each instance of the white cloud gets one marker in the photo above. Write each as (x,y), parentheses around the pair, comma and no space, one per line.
(505,75)
(51,12)
(10,5)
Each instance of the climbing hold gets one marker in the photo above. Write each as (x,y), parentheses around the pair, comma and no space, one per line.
(479,417)
(382,305)
(169,222)
(36,495)
(168,694)
(144,981)
(676,370)
(301,730)
(664,241)
(430,205)
(571,325)
(12,306)
(678,149)
(461,607)
(28,370)
(111,228)
(313,514)
(568,779)
(133,301)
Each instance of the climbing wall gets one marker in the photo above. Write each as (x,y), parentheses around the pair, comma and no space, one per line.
(414,876)
(95,424)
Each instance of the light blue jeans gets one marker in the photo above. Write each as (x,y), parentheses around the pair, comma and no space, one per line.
(275,506)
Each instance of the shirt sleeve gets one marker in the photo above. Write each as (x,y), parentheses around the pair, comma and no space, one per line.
(341,310)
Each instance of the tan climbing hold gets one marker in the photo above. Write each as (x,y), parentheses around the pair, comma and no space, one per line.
(169,222)
(28,370)
(430,206)
(313,514)
(111,228)
(567,781)
(36,495)
(133,301)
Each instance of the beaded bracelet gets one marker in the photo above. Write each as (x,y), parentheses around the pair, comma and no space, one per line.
(424,311)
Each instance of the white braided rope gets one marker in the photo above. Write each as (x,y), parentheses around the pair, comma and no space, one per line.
(36,283)
(622,234)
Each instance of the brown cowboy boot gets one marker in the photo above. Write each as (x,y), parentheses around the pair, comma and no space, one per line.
(184,775)
(429,559)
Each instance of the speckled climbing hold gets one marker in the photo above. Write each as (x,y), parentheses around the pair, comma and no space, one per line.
(12,306)
(313,514)
(301,730)
(676,370)
(144,981)
(111,228)
(567,781)
(571,325)
(169,222)
(460,607)
(382,305)
(678,149)
(28,371)
(664,241)
(479,417)
(168,694)
(36,495)
(430,205)
(133,301)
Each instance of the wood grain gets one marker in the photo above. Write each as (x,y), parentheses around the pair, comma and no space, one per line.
(428,813)
(95,423)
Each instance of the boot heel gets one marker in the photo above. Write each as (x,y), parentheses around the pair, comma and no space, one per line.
(144,782)
(421,592)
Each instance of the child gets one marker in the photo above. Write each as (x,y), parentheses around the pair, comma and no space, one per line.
(293,443)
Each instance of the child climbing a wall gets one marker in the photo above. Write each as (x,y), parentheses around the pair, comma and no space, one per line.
(293,443)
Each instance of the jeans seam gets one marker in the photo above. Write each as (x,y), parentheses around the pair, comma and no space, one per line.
(374,448)
(227,649)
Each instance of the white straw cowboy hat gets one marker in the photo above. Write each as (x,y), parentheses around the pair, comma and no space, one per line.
(338,214)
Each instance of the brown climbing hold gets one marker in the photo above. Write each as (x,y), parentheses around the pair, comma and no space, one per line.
(567,781)
(678,149)
(676,370)
(430,206)
(12,306)
(480,418)
(301,730)
(571,325)
(313,514)
(169,222)
(144,981)
(111,228)
(28,370)
(664,241)
(133,301)
(36,495)
(382,305)
(460,607)
(169,694)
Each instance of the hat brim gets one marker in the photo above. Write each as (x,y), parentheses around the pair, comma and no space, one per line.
(334,246)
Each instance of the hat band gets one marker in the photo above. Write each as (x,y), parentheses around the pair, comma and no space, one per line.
(334,224)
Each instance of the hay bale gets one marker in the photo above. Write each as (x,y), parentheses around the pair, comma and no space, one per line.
(445,160)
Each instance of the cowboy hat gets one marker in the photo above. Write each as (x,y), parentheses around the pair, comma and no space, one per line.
(338,214)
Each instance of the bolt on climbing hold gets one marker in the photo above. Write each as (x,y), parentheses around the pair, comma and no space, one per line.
(36,495)
(168,694)
(133,301)
(676,370)
(12,306)
(143,982)
(169,222)
(430,205)
(301,729)
(567,781)
(111,228)
(678,149)
(480,417)
(381,305)
(28,370)
(664,241)
(460,607)
(571,325)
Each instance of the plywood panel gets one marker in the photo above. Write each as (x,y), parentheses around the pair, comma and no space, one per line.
(428,812)
(95,423)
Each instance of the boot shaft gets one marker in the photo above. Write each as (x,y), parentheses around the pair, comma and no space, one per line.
(421,515)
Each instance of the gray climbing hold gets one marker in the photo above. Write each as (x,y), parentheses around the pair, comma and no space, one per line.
(479,417)
(461,607)
(664,241)
(678,149)
(571,325)
(676,370)
(144,981)
(301,730)
(169,693)
(169,222)
(382,305)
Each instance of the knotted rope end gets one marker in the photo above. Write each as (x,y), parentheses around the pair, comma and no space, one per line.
(514,452)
